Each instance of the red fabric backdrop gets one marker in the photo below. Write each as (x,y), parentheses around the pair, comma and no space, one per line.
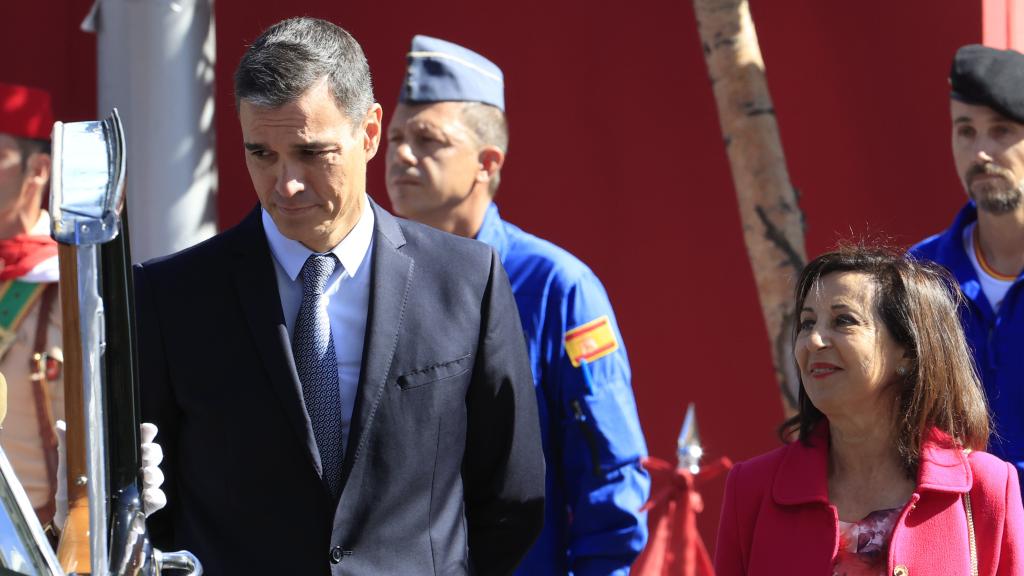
(43,46)
(616,155)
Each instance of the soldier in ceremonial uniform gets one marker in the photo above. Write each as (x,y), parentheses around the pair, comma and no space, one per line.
(30,325)
(984,247)
(447,142)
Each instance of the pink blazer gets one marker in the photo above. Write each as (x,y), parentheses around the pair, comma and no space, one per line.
(777,519)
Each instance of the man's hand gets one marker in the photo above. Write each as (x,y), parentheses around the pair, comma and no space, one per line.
(153,498)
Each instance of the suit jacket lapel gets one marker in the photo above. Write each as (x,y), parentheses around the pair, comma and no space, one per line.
(390,279)
(256,285)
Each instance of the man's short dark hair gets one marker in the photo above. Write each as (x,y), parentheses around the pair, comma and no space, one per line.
(490,127)
(487,123)
(293,55)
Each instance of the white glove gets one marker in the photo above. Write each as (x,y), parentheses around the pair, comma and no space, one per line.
(153,498)
(60,516)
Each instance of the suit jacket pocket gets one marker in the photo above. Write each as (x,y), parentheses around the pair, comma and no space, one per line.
(435,372)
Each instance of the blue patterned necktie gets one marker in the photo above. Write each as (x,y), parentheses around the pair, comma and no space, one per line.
(317,364)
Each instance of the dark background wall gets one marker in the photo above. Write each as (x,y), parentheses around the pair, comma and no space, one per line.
(43,46)
(617,156)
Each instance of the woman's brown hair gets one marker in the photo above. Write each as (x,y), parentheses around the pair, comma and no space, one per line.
(918,303)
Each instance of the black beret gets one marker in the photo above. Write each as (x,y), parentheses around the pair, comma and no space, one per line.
(989,77)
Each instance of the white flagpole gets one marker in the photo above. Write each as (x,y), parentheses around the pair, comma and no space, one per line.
(155,61)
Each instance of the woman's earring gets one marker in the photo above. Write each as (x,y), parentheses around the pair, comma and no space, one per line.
(901,370)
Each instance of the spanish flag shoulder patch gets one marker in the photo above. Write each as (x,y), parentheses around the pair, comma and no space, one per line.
(593,340)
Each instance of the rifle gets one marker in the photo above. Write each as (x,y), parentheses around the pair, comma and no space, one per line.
(105,532)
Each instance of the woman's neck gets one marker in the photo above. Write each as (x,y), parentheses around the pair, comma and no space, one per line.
(865,472)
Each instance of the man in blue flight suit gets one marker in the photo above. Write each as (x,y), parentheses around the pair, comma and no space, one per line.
(447,142)
(984,248)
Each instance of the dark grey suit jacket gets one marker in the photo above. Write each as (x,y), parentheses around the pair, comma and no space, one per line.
(443,472)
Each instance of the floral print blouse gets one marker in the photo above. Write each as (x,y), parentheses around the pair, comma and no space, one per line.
(864,545)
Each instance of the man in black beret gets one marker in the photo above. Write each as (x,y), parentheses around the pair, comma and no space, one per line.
(984,248)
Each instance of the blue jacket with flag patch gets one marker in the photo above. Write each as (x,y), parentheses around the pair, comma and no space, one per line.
(997,339)
(593,444)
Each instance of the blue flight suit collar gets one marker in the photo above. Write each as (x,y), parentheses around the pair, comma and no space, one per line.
(959,263)
(492,232)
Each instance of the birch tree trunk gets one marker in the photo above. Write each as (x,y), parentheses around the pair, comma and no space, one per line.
(772,220)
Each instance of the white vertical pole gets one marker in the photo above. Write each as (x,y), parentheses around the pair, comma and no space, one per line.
(155,60)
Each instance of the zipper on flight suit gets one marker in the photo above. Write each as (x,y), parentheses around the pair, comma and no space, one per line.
(588,436)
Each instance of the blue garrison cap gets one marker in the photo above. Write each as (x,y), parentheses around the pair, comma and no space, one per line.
(440,71)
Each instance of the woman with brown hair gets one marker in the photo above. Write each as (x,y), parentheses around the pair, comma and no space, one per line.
(887,475)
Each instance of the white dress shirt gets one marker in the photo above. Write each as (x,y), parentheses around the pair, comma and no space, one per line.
(347,293)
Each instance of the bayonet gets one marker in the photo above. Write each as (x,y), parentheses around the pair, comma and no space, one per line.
(688,448)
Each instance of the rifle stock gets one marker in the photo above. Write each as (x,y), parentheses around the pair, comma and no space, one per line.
(73,547)
(105,533)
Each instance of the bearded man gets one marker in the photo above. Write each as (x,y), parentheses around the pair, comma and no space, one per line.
(984,248)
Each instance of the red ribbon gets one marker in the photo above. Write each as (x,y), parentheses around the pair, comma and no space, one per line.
(20,254)
(675,547)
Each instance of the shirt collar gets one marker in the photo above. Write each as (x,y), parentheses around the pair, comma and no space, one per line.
(952,245)
(944,466)
(351,251)
(803,475)
(492,232)
(954,257)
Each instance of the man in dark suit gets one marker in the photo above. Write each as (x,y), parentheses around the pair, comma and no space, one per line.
(338,391)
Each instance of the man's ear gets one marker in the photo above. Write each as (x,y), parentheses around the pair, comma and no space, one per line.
(491,159)
(38,169)
(372,129)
